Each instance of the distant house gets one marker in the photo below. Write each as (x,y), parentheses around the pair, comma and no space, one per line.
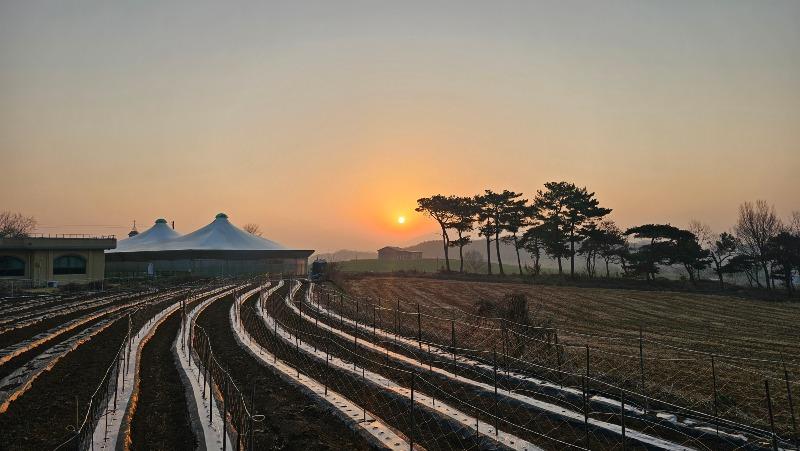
(391,253)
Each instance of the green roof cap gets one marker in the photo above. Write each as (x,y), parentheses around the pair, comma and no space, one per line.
(161,221)
(221,216)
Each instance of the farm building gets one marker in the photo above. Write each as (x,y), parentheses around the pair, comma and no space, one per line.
(391,253)
(35,261)
(219,248)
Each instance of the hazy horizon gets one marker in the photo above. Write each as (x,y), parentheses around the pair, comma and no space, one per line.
(324,121)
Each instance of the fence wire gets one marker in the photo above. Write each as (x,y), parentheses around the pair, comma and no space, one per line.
(685,396)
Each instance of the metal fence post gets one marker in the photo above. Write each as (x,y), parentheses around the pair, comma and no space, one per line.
(585,413)
(453,342)
(505,345)
(225,416)
(419,327)
(411,431)
(205,375)
(641,369)
(494,361)
(714,386)
(253,408)
(587,360)
(771,418)
(791,406)
(397,321)
(327,362)
(622,412)
(210,394)
(558,359)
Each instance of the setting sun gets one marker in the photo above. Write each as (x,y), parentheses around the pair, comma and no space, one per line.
(401,219)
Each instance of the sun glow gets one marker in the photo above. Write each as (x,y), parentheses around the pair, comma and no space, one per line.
(401,219)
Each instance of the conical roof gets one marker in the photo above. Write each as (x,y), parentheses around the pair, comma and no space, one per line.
(221,235)
(152,239)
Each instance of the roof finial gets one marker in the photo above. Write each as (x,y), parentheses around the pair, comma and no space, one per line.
(133,231)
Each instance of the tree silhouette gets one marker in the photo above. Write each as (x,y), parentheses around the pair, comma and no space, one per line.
(569,212)
(657,251)
(517,215)
(440,208)
(784,250)
(498,209)
(486,227)
(722,249)
(464,212)
(601,241)
(533,242)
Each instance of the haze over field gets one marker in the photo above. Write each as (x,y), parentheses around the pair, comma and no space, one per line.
(325,121)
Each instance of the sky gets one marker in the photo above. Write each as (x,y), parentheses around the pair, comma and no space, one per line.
(323,122)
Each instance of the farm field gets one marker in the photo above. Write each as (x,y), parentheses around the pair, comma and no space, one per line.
(721,324)
(287,364)
(708,354)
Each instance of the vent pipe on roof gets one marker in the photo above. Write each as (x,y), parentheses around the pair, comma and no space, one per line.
(173,225)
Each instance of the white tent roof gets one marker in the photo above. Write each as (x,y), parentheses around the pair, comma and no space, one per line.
(151,239)
(221,235)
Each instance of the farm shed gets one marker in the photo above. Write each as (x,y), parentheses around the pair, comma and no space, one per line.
(392,253)
(37,260)
(220,248)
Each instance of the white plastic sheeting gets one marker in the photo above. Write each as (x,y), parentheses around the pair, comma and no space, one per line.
(527,400)
(150,240)
(367,421)
(220,234)
(379,381)
(203,405)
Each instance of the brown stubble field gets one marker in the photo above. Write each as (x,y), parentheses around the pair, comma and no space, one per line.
(713,323)
(680,333)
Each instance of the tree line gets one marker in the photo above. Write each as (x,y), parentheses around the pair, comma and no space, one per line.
(564,220)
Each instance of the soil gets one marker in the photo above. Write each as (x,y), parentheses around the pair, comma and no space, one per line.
(40,418)
(23,333)
(44,416)
(292,420)
(161,420)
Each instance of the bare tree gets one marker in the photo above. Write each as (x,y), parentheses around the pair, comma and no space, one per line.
(794,223)
(16,225)
(756,225)
(702,231)
(705,236)
(252,229)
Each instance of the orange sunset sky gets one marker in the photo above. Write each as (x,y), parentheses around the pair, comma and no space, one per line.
(325,121)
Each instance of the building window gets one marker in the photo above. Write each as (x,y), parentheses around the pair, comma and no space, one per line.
(69,264)
(11,266)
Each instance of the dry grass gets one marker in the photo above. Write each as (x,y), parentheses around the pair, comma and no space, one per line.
(675,325)
(712,323)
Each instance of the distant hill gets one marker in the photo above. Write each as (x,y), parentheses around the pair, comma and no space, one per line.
(423,265)
(433,250)
(433,254)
